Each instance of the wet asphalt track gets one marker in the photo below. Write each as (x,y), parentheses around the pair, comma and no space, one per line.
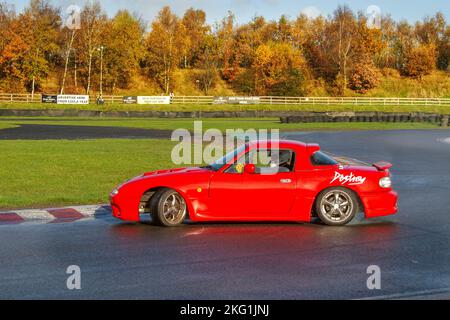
(47,132)
(256,261)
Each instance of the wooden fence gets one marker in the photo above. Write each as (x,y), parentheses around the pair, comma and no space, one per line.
(207,100)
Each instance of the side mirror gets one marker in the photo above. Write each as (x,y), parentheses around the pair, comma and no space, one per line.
(249,168)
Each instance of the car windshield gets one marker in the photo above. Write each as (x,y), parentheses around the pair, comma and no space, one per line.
(219,163)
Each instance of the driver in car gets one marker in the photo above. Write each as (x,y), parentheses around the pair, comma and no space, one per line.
(280,161)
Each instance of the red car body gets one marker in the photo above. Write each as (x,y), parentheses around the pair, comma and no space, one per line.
(220,196)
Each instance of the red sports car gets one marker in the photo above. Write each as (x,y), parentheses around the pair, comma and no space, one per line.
(300,183)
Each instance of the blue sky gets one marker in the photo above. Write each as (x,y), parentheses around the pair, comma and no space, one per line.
(244,10)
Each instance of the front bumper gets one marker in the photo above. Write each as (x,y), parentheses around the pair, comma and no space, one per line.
(116,211)
(380,204)
(124,207)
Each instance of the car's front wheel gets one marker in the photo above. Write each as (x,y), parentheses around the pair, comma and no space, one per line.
(168,208)
(337,206)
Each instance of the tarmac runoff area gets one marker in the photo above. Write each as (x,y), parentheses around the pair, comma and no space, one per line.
(255,260)
(50,132)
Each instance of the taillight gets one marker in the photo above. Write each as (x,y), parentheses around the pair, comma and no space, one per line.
(386,182)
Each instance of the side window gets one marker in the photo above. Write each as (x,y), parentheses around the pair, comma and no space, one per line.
(238,166)
(322,159)
(266,161)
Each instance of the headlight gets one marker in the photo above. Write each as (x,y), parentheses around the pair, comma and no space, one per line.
(115,192)
(385,182)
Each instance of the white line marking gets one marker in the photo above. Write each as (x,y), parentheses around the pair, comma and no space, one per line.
(444,140)
(409,294)
(35,215)
(91,210)
(43,214)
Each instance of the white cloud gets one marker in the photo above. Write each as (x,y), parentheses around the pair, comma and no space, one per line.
(311,12)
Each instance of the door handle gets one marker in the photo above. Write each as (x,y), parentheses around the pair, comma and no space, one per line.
(285,180)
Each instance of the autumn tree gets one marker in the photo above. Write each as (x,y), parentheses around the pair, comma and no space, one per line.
(163,48)
(208,64)
(194,34)
(91,37)
(342,31)
(69,33)
(444,51)
(7,14)
(33,65)
(12,52)
(29,43)
(123,50)
(280,57)
(246,39)
(434,31)
(44,22)
(368,45)
(404,41)
(386,58)
(278,70)
(318,48)
(258,32)
(364,77)
(284,30)
(419,61)
(225,34)
(299,31)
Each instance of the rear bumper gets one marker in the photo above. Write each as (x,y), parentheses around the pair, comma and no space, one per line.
(380,204)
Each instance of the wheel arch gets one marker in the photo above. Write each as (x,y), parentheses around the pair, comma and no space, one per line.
(148,194)
(361,206)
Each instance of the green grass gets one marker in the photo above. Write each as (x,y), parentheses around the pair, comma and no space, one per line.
(221,124)
(6,125)
(193,107)
(60,172)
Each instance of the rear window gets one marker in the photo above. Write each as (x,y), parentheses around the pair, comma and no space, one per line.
(320,158)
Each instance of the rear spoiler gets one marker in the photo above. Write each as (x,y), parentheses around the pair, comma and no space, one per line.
(382,165)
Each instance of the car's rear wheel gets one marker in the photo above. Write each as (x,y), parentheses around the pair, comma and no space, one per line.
(168,208)
(337,206)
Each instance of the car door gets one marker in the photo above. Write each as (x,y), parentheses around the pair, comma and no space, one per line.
(270,192)
(226,194)
(268,196)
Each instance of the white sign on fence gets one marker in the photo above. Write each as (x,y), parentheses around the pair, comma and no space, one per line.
(153,99)
(72,99)
(236,100)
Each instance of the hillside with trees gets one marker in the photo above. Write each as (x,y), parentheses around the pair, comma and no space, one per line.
(339,55)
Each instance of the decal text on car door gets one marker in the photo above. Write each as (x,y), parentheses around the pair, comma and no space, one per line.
(349,179)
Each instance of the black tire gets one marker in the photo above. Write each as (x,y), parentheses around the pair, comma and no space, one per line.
(337,206)
(159,208)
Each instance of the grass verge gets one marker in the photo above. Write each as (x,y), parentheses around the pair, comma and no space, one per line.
(60,172)
(6,125)
(192,107)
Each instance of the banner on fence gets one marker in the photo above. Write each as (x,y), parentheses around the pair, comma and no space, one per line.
(153,99)
(47,98)
(130,99)
(72,99)
(236,100)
